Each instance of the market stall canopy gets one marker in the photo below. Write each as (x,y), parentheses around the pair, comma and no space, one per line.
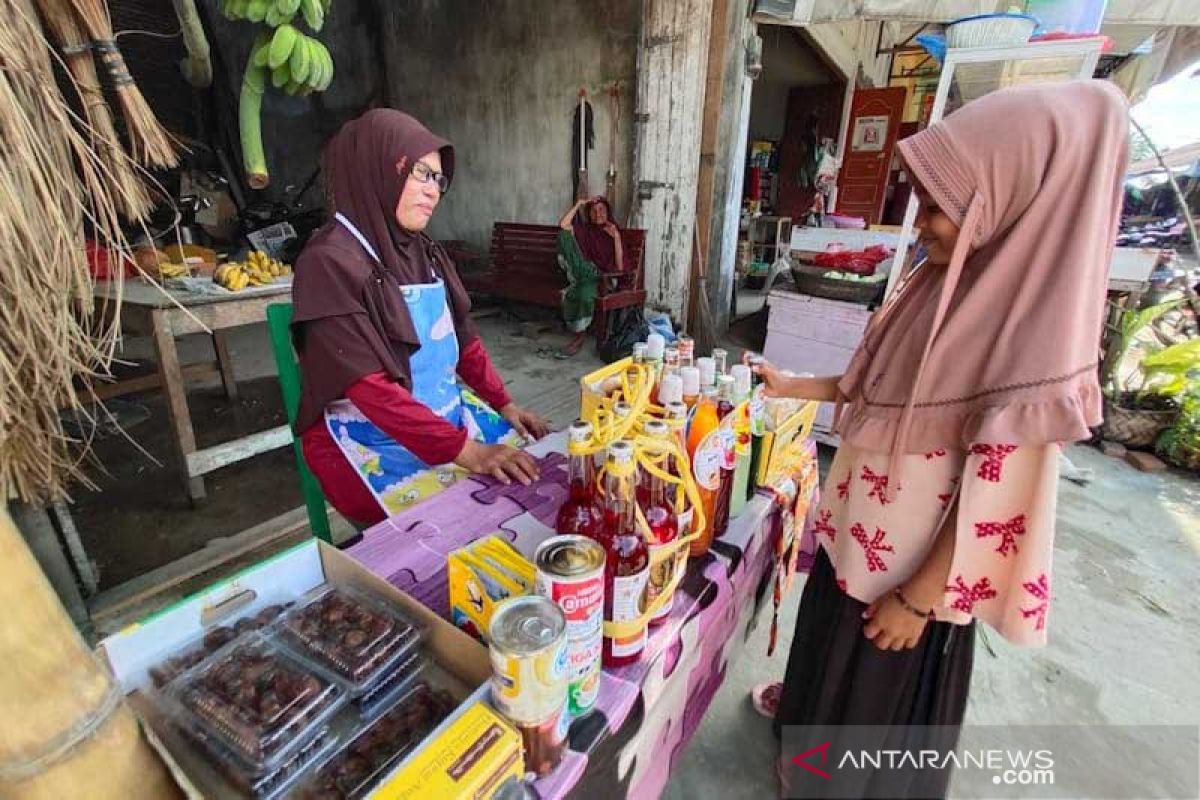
(1119,12)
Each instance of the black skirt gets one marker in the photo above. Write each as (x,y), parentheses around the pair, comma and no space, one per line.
(836,677)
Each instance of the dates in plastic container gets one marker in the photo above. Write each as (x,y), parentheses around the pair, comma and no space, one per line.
(212,640)
(370,755)
(256,700)
(358,639)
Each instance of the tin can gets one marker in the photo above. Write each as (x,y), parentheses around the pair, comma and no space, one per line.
(570,572)
(528,649)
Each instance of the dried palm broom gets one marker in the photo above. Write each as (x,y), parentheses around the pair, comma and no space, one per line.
(149,142)
(51,333)
(61,20)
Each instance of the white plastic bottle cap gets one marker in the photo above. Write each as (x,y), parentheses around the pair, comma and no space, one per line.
(670,389)
(655,344)
(741,380)
(691,380)
(708,371)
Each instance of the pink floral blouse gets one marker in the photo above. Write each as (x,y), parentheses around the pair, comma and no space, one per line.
(1000,572)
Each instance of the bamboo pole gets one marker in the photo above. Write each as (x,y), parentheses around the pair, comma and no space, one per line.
(65,730)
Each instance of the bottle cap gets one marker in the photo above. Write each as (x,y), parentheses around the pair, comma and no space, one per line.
(621,451)
(725,386)
(580,431)
(656,429)
(677,411)
(708,370)
(639,352)
(671,354)
(654,346)
(741,380)
(670,388)
(622,409)
(708,391)
(691,380)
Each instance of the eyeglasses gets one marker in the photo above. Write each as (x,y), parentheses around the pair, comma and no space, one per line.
(422,173)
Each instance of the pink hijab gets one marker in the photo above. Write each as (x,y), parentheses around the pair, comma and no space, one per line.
(1003,344)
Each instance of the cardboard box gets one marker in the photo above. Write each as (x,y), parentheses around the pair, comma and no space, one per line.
(460,664)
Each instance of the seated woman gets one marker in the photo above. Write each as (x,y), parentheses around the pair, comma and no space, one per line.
(382,330)
(588,245)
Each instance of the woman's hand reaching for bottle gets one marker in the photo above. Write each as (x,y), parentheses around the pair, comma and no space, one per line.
(777,383)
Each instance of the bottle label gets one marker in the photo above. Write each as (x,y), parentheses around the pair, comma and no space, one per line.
(629,601)
(758,412)
(660,578)
(707,462)
(728,436)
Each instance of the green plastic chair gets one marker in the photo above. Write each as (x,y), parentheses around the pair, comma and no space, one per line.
(279,323)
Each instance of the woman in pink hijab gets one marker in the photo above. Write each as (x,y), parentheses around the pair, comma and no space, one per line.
(939,507)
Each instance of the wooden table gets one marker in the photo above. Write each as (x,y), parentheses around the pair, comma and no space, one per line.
(147,311)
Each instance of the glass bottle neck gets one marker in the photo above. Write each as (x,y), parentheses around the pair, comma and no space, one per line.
(581,472)
(619,502)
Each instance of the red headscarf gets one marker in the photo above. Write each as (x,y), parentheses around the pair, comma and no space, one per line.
(594,242)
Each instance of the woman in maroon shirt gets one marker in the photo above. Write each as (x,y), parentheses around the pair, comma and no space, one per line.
(383,333)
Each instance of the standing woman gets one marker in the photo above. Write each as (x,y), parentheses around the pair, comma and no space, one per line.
(589,245)
(382,329)
(939,507)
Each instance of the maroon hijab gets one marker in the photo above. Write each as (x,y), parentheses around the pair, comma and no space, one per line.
(594,242)
(350,319)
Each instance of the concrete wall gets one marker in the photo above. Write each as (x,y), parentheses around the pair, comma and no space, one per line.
(500,78)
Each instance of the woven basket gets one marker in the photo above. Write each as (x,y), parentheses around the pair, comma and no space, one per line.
(813,282)
(1134,427)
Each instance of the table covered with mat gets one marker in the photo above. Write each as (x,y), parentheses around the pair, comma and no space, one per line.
(647,712)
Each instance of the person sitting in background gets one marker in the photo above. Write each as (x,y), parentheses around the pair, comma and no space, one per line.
(589,245)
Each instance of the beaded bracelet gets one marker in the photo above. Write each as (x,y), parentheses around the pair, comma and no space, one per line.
(909,607)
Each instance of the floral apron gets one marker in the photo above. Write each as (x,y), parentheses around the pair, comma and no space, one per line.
(395,477)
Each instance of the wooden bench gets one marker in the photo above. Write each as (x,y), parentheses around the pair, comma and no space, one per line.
(523,267)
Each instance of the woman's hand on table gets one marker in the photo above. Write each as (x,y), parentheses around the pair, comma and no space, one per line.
(505,464)
(525,422)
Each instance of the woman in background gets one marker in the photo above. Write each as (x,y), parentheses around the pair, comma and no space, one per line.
(589,245)
(939,507)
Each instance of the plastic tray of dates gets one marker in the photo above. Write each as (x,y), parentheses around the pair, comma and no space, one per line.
(354,636)
(213,640)
(256,700)
(369,756)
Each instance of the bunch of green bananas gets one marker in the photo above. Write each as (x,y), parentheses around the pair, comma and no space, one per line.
(298,64)
(277,12)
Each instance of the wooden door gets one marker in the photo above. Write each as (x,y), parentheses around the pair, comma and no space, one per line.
(875,116)
(813,113)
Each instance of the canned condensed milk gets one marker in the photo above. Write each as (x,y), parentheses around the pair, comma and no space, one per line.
(570,572)
(528,651)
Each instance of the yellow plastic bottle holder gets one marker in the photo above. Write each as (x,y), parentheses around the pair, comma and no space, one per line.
(652,455)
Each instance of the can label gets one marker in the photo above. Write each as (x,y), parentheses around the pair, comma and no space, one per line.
(629,601)
(583,673)
(527,688)
(581,600)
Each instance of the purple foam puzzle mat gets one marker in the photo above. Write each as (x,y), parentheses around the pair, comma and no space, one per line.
(647,711)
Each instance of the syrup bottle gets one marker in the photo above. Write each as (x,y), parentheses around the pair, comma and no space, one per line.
(704,449)
(659,510)
(741,474)
(725,491)
(690,377)
(627,559)
(581,514)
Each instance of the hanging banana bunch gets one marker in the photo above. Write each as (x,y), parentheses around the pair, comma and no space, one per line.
(283,57)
